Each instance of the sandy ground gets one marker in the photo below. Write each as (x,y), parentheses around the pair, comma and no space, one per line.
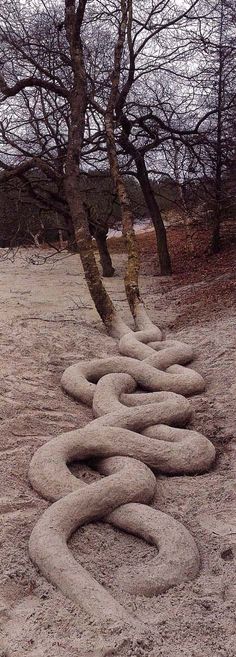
(47,323)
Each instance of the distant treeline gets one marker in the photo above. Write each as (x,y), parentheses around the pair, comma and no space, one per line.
(32,209)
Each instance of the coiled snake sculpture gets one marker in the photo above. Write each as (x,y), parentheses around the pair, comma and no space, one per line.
(134,433)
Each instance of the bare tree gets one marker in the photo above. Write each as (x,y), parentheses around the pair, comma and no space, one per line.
(74,89)
(209,153)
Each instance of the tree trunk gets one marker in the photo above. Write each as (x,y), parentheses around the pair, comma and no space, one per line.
(188,224)
(83,239)
(133,264)
(215,241)
(162,246)
(60,239)
(78,104)
(99,231)
(36,238)
(132,269)
(105,258)
(142,175)
(71,241)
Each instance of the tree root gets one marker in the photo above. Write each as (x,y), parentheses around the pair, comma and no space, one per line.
(134,433)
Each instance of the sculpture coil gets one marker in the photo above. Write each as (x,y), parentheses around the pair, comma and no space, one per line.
(134,434)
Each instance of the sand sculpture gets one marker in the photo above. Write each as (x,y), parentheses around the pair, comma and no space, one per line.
(135,433)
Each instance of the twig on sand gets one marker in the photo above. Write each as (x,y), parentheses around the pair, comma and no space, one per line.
(46,319)
(80,305)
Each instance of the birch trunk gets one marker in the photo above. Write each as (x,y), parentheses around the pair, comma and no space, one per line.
(78,105)
(133,262)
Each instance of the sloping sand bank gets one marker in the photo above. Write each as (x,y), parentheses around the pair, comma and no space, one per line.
(47,322)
